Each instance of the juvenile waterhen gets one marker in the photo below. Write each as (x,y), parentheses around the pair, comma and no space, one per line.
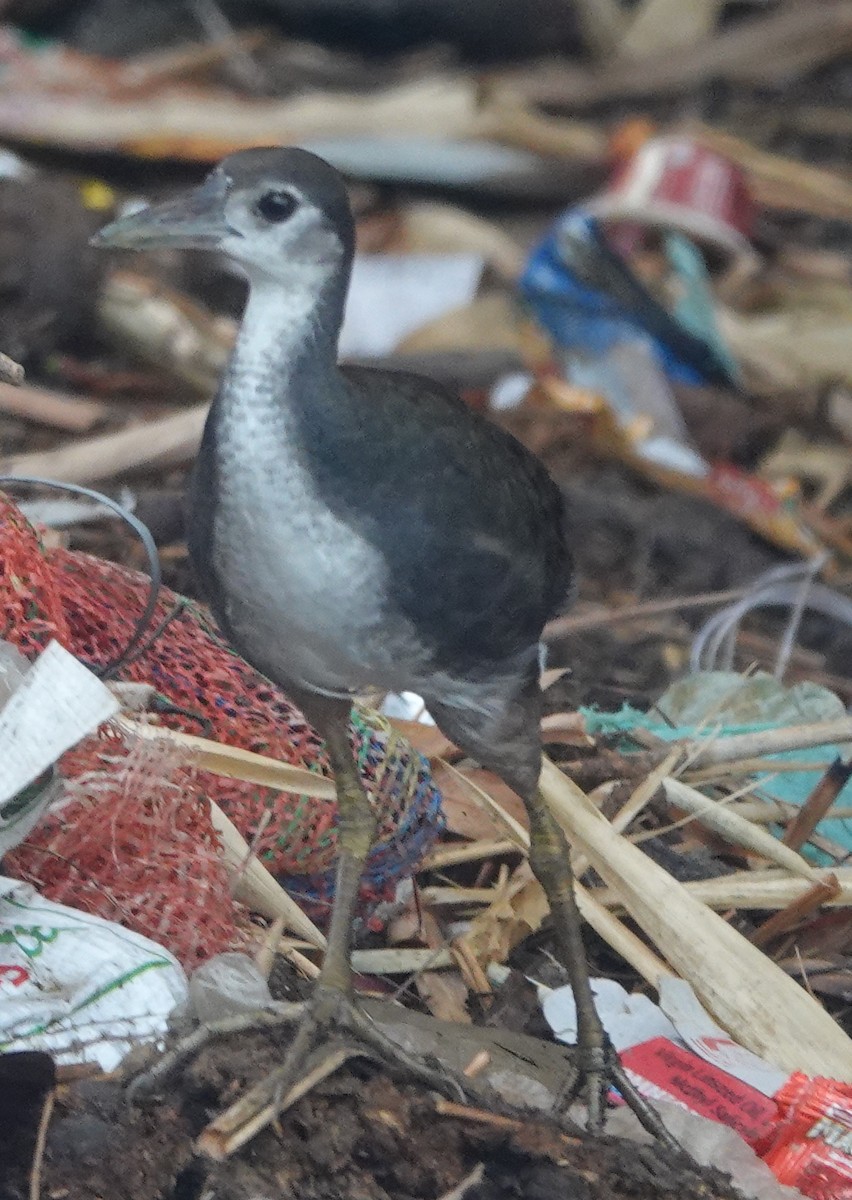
(357,527)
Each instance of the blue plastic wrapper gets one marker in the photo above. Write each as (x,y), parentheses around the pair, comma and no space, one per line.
(589,301)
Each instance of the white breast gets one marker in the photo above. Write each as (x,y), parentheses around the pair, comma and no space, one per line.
(303,592)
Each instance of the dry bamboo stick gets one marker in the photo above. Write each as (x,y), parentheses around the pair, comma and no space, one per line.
(735,828)
(448,896)
(261,1105)
(818,804)
(761,1007)
(451,856)
(171,439)
(753,766)
(235,763)
(770,889)
(621,939)
(771,741)
(641,796)
(631,948)
(513,828)
(73,414)
(257,889)
(579,622)
(767,812)
(401,960)
(793,913)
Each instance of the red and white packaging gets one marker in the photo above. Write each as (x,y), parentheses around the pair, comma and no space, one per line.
(663,1071)
(812,1145)
(673,182)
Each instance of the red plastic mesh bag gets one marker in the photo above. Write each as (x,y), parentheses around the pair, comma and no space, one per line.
(92,605)
(30,607)
(132,841)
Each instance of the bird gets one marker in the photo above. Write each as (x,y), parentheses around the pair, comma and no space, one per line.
(355,527)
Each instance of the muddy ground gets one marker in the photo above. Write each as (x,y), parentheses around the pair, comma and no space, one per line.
(357,1136)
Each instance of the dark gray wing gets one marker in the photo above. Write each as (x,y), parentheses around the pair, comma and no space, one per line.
(473,529)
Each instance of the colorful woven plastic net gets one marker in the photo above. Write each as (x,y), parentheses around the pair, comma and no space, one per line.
(133,841)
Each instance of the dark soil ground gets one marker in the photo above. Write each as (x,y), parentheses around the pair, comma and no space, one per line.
(358,1136)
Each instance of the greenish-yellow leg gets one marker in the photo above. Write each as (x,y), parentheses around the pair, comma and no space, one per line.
(333,1010)
(551,861)
(356,829)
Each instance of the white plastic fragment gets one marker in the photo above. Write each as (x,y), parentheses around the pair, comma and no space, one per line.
(697,1030)
(392,295)
(406,706)
(83,989)
(58,702)
(629,1019)
(44,710)
(229,984)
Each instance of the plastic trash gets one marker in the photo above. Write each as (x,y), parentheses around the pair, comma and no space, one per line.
(588,299)
(13,668)
(618,341)
(628,1019)
(673,182)
(721,703)
(709,1144)
(44,710)
(813,1144)
(83,989)
(229,984)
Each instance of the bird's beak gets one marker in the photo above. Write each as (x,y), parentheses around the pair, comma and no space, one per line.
(194,221)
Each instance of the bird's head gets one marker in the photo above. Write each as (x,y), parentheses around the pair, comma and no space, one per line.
(274,212)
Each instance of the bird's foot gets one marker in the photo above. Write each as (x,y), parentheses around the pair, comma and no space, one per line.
(600,1068)
(334,1015)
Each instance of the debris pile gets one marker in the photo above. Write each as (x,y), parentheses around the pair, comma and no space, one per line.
(623,233)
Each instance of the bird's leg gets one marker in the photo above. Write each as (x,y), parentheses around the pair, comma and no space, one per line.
(333,1011)
(599,1065)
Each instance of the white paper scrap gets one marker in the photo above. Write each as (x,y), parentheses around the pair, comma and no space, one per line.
(697,1029)
(628,1019)
(391,295)
(83,989)
(58,703)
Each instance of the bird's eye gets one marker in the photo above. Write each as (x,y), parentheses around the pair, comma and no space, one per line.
(276,206)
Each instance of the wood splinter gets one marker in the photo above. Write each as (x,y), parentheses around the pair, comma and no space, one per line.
(263,1104)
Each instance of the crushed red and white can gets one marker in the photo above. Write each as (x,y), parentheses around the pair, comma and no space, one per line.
(673,182)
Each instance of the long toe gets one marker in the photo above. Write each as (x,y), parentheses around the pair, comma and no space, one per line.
(333,1014)
(598,1069)
(647,1115)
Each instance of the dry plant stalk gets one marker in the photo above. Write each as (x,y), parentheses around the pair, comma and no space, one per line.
(735,828)
(169,440)
(818,804)
(781,182)
(761,1007)
(519,909)
(234,762)
(163,327)
(451,856)
(11,372)
(661,25)
(261,1105)
(738,746)
(769,889)
(257,888)
(789,917)
(72,414)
